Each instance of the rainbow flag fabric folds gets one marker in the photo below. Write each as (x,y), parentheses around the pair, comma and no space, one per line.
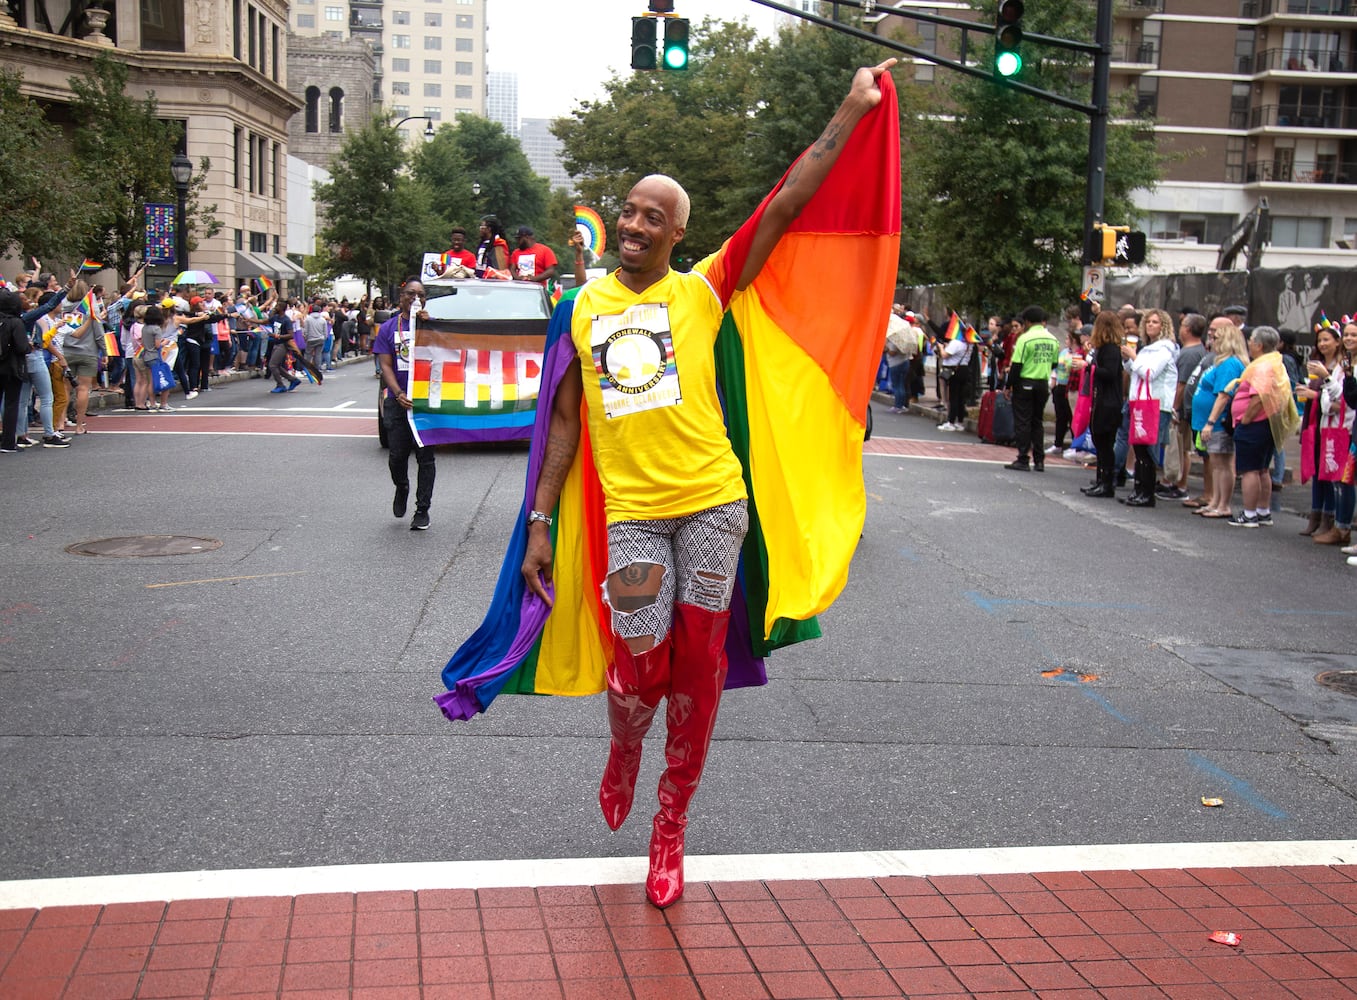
(111,346)
(90,265)
(795,392)
(261,285)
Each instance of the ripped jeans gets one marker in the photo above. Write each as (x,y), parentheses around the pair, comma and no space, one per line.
(686,560)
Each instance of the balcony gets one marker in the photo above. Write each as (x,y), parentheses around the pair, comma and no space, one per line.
(1276,172)
(1303,116)
(1135,53)
(1296,8)
(359,21)
(365,3)
(1287,61)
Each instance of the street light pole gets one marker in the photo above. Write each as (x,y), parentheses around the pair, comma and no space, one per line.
(181,168)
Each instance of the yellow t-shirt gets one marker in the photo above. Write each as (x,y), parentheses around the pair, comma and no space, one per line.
(655,422)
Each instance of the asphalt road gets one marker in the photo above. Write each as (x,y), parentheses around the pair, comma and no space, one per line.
(267,703)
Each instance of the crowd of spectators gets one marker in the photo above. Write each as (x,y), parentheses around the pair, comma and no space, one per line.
(72,339)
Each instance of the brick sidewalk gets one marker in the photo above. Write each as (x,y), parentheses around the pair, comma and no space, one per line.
(1068,935)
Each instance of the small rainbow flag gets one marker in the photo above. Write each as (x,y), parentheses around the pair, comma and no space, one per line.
(953,327)
(590,226)
(91,265)
(969,335)
(111,345)
(261,284)
(86,305)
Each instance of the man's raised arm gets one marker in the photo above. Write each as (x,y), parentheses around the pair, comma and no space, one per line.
(811,168)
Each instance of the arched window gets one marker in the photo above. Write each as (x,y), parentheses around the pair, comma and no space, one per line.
(312,109)
(336,109)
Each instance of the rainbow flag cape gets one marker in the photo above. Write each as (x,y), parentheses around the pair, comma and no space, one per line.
(954,326)
(795,392)
(590,226)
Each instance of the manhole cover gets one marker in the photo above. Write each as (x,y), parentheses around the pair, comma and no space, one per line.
(1342,681)
(139,546)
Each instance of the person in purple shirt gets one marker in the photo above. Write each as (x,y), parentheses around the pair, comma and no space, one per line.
(392,350)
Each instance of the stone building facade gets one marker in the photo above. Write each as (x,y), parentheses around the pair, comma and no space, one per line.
(217,66)
(334,81)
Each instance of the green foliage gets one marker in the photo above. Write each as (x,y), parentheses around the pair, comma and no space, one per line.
(691,125)
(46,214)
(495,161)
(441,167)
(995,190)
(122,152)
(378,221)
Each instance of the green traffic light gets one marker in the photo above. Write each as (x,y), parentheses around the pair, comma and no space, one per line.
(1007,63)
(675,57)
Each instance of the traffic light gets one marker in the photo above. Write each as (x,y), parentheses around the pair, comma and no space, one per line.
(675,43)
(1007,38)
(1116,245)
(662,6)
(642,43)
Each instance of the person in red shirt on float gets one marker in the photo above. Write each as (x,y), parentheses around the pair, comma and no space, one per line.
(532,261)
(457,253)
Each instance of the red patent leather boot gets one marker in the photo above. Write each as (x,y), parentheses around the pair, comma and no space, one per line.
(697,676)
(636,683)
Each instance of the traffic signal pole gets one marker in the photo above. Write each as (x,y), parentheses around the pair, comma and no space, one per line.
(1097,110)
(1097,128)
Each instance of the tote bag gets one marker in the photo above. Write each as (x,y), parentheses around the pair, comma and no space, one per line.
(1083,405)
(1144,413)
(1333,449)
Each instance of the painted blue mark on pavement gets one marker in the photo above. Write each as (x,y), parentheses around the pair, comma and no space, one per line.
(909,555)
(1241,788)
(1095,697)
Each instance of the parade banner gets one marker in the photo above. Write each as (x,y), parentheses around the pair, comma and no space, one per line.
(160,235)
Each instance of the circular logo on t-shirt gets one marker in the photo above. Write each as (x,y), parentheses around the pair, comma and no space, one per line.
(633,360)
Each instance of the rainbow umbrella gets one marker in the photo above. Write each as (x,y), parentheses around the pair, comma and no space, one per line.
(195,278)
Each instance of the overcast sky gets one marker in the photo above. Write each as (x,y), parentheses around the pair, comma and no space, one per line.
(562,52)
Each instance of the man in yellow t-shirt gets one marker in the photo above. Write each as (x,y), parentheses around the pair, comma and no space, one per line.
(673,490)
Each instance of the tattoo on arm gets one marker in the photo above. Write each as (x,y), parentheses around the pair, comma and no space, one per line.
(555,466)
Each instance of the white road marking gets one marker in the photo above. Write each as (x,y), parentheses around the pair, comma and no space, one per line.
(104,889)
(345,406)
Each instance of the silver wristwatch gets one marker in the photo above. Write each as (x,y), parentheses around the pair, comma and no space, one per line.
(537,515)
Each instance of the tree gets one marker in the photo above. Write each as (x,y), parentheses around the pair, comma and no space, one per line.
(123,152)
(997,202)
(46,213)
(378,221)
(510,190)
(691,125)
(440,166)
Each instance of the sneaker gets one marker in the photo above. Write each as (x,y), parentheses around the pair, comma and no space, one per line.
(420,522)
(1352,560)
(278,388)
(402,497)
(1349,550)
(1018,465)
(191,394)
(1054,449)
(895,409)
(24,442)
(1264,520)
(295,382)
(55,442)
(1070,455)
(1170,492)
(1242,520)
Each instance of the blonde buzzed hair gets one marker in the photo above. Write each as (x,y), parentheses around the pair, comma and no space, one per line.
(682,205)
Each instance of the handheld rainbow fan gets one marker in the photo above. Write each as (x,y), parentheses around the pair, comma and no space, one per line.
(590,226)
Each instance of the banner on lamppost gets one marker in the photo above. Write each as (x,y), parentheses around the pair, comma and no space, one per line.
(160,234)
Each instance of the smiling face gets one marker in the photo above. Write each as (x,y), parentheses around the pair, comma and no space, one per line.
(457,241)
(646,228)
(1326,342)
(1350,338)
